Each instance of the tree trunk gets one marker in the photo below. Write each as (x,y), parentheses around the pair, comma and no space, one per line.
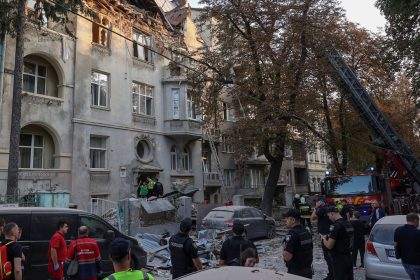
(270,187)
(12,173)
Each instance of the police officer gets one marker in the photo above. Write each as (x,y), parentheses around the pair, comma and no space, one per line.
(183,251)
(230,254)
(340,243)
(298,246)
(319,214)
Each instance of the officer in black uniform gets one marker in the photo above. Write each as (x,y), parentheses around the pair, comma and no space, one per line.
(340,243)
(183,251)
(298,246)
(230,254)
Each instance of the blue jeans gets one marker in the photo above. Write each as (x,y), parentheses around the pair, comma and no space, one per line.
(413,270)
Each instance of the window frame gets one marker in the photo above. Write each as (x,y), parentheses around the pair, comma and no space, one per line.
(191,110)
(176,103)
(32,151)
(227,113)
(174,158)
(186,159)
(105,139)
(227,147)
(142,47)
(142,95)
(36,77)
(98,21)
(99,86)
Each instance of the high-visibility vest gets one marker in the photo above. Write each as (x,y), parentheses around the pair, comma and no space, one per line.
(130,275)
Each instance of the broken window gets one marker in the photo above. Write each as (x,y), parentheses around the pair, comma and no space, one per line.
(142,44)
(100,31)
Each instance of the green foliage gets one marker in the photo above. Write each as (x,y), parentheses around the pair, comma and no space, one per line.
(403,32)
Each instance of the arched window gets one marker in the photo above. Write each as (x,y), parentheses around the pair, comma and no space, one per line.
(36,148)
(39,77)
(174,162)
(186,159)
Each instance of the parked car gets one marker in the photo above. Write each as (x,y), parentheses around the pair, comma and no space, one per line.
(380,261)
(256,223)
(39,224)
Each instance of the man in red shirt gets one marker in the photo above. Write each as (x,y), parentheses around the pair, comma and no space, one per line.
(57,252)
(86,251)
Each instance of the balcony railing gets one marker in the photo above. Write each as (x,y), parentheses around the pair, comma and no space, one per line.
(183,127)
(211,179)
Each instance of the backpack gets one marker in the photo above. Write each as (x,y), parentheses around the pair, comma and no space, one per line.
(6,265)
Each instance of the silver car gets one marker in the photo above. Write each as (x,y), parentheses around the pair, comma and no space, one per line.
(380,261)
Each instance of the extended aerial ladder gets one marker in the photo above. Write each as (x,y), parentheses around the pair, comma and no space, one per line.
(218,164)
(380,127)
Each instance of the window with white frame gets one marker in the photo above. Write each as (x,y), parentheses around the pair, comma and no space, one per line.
(227,147)
(316,155)
(311,156)
(98,152)
(254,178)
(186,159)
(100,31)
(227,112)
(175,103)
(174,157)
(34,78)
(142,99)
(142,44)
(99,89)
(191,110)
(229,175)
(288,152)
(31,150)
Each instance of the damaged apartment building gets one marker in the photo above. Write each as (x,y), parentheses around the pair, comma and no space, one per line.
(102,105)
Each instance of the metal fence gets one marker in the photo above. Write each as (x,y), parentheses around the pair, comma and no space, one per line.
(107,210)
(27,200)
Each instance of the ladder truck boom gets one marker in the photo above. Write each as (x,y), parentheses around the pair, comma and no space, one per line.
(379,126)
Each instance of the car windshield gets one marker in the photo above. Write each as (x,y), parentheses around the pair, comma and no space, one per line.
(216,214)
(383,234)
(349,185)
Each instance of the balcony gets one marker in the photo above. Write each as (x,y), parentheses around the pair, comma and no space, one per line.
(182,128)
(174,73)
(211,179)
(252,191)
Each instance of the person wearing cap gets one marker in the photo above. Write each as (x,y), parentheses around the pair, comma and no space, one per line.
(230,254)
(340,243)
(319,214)
(298,246)
(120,254)
(183,251)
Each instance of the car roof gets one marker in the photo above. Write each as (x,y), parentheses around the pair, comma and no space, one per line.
(393,220)
(232,208)
(240,272)
(13,210)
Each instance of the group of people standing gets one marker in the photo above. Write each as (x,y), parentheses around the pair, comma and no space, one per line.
(237,250)
(148,187)
(84,250)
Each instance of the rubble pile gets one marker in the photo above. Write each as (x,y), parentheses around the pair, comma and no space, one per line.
(210,242)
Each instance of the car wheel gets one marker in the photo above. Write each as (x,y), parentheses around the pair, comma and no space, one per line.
(271,233)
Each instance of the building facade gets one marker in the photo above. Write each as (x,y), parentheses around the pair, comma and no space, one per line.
(101,106)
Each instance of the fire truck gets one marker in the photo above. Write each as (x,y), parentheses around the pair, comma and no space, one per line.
(402,166)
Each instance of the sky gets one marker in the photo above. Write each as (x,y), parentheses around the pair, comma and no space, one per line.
(363,12)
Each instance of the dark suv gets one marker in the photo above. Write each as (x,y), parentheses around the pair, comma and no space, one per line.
(39,224)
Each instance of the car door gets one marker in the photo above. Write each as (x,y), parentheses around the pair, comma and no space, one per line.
(23,220)
(43,226)
(259,222)
(249,222)
(98,230)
